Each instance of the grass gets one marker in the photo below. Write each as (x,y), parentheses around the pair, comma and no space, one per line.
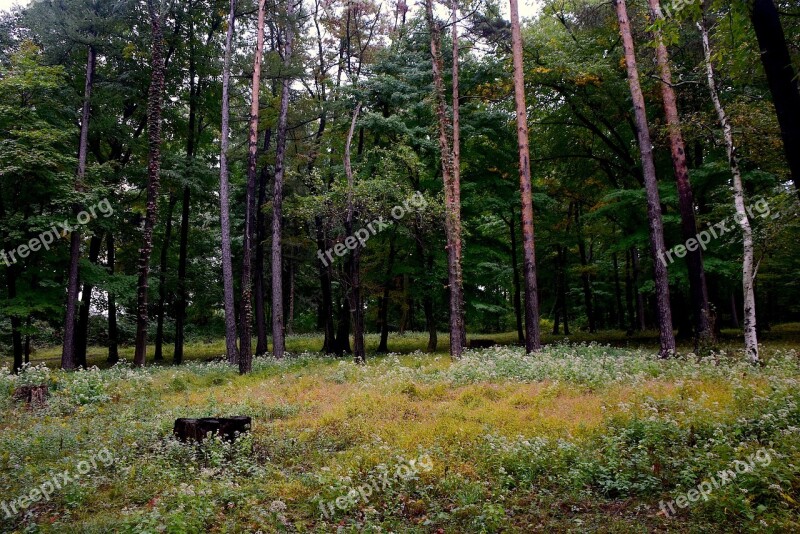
(581,437)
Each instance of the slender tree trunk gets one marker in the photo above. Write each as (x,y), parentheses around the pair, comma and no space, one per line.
(113,336)
(245,315)
(748,261)
(781,78)
(586,281)
(154,105)
(532,337)
(27,349)
(354,275)
(262,346)
(343,328)
(329,344)
(620,313)
(16,323)
(452,202)
(456,181)
(183,248)
(629,297)
(703,330)
(68,351)
(162,280)
(278,334)
(82,334)
(224,194)
(734,312)
(666,335)
(517,283)
(383,310)
(641,320)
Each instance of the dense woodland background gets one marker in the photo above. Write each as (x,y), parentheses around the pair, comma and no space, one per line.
(356,77)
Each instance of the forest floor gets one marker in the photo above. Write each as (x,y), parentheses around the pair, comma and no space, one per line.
(581,437)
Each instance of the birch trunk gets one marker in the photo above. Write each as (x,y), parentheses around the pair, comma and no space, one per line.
(748,262)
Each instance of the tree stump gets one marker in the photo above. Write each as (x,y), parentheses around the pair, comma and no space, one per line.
(481,343)
(33,396)
(197,429)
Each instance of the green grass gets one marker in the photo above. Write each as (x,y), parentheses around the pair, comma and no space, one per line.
(581,437)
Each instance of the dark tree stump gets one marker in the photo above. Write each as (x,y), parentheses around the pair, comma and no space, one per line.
(197,429)
(481,343)
(33,396)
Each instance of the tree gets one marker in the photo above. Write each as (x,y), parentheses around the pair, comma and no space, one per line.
(278,333)
(224,193)
(781,78)
(657,247)
(245,343)
(532,335)
(154,108)
(704,331)
(451,191)
(748,261)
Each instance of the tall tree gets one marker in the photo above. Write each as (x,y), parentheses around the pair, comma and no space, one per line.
(278,334)
(224,196)
(657,247)
(356,304)
(748,260)
(452,203)
(704,331)
(68,350)
(781,78)
(245,342)
(532,334)
(155,100)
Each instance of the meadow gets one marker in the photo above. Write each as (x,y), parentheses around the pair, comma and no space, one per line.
(585,436)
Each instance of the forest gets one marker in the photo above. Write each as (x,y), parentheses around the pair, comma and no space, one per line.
(407,266)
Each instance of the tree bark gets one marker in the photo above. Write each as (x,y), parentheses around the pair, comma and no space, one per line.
(259,283)
(162,281)
(154,105)
(383,309)
(666,335)
(703,329)
(354,274)
(782,81)
(113,336)
(517,283)
(748,261)
(224,201)
(245,315)
(533,336)
(452,200)
(278,334)
(82,334)
(68,350)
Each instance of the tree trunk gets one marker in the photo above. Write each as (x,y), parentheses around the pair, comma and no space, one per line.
(586,281)
(666,335)
(383,309)
(452,200)
(162,280)
(734,313)
(354,274)
(259,282)
(703,329)
(16,323)
(183,249)
(629,296)
(532,337)
(68,351)
(781,78)
(82,334)
(154,105)
(245,315)
(517,283)
(224,193)
(641,320)
(748,261)
(113,336)
(620,311)
(325,275)
(278,334)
